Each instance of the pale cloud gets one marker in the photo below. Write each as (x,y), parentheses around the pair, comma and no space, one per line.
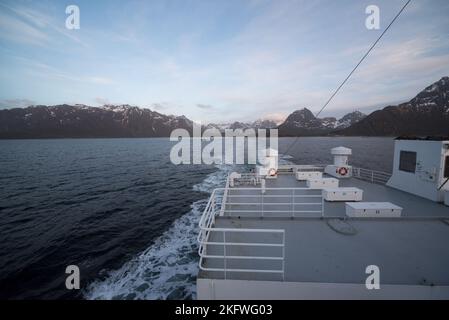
(102,101)
(16,103)
(34,28)
(160,106)
(270,59)
(98,80)
(43,70)
(16,30)
(413,58)
(395,72)
(204,106)
(277,117)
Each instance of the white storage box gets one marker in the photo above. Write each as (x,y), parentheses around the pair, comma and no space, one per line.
(322,183)
(306,175)
(342,194)
(373,209)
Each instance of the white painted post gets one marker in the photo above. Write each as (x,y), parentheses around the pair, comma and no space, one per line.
(262,200)
(224,253)
(283,256)
(293,203)
(230,206)
(322,206)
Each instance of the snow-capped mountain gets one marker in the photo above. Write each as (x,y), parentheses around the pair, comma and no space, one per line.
(349,119)
(258,124)
(74,121)
(303,122)
(425,114)
(264,124)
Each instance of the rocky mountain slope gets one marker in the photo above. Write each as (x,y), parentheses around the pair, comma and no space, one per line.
(258,124)
(304,123)
(80,121)
(426,114)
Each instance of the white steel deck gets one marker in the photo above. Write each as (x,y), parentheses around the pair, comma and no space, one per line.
(287,234)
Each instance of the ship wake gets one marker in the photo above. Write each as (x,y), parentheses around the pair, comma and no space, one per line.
(168,268)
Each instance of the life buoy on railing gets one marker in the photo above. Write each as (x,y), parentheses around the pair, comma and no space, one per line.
(272,172)
(342,171)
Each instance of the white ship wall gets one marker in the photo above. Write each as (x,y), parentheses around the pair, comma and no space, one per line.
(212,289)
(430,161)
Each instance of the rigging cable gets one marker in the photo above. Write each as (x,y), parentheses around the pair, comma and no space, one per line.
(353,70)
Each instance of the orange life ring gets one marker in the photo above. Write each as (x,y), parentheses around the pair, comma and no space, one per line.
(342,171)
(272,172)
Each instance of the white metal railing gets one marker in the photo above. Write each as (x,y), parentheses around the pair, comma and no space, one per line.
(209,241)
(371,175)
(247,178)
(292,168)
(359,173)
(278,202)
(258,202)
(225,196)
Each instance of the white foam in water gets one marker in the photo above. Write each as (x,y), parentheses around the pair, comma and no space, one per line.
(167,269)
(214,180)
(285,159)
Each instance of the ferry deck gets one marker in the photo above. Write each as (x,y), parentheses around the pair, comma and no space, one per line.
(283,240)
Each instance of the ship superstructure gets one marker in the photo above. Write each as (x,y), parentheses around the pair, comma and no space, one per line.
(317,231)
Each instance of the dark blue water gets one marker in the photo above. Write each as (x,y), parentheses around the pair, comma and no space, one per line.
(92,203)
(367,152)
(119,210)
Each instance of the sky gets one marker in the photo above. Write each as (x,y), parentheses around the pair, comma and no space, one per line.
(220,60)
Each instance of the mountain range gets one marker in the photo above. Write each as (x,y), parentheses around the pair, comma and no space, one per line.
(425,114)
(81,121)
(258,124)
(304,123)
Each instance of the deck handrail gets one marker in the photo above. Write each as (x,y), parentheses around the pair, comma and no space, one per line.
(247,178)
(217,206)
(379,177)
(207,223)
(220,197)
(225,195)
(373,176)
(308,201)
